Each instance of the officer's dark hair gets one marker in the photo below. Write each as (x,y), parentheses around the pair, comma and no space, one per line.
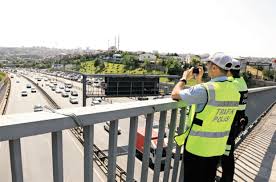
(235,73)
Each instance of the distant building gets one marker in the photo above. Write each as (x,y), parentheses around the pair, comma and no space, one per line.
(117,57)
(57,66)
(3,61)
(147,56)
(112,48)
(69,66)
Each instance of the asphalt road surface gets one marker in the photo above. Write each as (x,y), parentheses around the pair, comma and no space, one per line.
(36,150)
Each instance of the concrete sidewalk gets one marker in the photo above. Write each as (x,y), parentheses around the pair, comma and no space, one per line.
(255,156)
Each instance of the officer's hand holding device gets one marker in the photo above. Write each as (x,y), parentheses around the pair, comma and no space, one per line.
(196,70)
(198,73)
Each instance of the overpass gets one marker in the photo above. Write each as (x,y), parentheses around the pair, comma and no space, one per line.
(14,129)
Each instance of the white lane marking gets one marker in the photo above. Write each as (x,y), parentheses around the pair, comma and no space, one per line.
(81,151)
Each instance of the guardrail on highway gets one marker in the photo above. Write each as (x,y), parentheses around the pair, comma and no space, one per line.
(12,129)
(52,102)
(4,101)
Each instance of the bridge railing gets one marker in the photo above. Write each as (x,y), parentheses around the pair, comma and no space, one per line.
(14,127)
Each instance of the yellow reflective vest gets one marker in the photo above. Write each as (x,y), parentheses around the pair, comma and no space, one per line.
(243,90)
(209,129)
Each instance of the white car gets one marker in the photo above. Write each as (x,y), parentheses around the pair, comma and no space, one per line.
(61,87)
(107,125)
(38,108)
(67,89)
(74,93)
(33,90)
(58,91)
(24,93)
(74,100)
(95,102)
(64,94)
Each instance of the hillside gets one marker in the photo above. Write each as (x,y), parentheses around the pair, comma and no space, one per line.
(115,68)
(2,75)
(254,71)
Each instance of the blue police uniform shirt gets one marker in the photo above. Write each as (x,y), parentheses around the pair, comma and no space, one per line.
(198,94)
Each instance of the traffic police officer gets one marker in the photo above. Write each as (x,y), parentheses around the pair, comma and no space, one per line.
(240,121)
(213,107)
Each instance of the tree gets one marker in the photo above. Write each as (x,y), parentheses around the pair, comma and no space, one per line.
(97,62)
(268,74)
(130,61)
(146,63)
(174,67)
(195,60)
(102,66)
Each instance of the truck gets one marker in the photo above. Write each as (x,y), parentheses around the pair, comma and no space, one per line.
(140,137)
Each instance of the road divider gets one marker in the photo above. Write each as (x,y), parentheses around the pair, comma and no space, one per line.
(6,87)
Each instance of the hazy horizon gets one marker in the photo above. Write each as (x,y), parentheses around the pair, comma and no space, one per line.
(239,28)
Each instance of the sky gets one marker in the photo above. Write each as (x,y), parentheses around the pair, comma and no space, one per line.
(236,27)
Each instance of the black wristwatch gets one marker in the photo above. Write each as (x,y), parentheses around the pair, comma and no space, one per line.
(183,80)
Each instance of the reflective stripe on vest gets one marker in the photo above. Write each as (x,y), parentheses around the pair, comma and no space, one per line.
(242,107)
(212,101)
(209,134)
(226,153)
(228,147)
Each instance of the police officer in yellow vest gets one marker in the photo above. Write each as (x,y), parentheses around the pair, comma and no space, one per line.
(213,107)
(240,121)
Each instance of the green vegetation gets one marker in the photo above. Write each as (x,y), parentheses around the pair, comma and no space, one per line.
(2,75)
(113,68)
(99,67)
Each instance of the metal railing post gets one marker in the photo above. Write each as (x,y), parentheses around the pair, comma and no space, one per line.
(88,136)
(57,156)
(16,160)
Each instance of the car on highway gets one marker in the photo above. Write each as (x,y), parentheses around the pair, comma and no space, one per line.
(107,126)
(64,94)
(95,102)
(58,91)
(38,108)
(53,88)
(74,93)
(68,84)
(73,100)
(33,90)
(24,93)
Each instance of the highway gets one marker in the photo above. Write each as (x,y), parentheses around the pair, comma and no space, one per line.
(36,151)
(102,141)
